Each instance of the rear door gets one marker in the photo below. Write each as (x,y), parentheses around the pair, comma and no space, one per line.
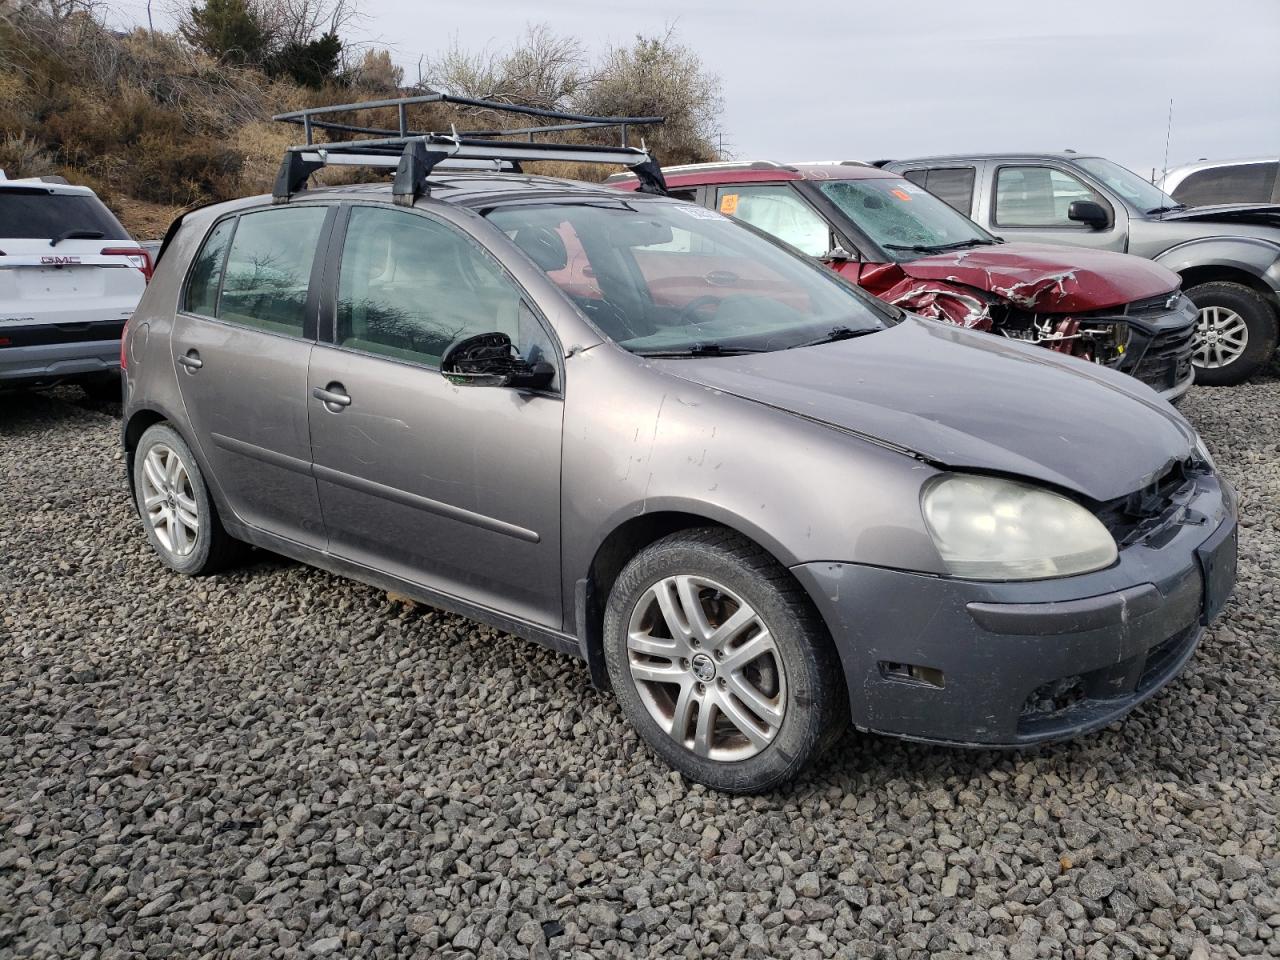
(456,488)
(241,344)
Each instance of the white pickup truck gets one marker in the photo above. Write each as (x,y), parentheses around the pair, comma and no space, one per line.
(70,276)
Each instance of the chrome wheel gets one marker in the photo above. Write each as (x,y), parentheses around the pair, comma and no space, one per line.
(706,668)
(1221,337)
(168,501)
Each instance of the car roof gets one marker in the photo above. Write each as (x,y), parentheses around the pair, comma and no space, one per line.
(1010,155)
(748,171)
(45,184)
(1178,174)
(463,188)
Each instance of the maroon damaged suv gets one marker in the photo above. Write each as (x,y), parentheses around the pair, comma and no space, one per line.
(907,247)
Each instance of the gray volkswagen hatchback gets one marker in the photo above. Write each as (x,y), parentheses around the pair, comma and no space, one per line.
(754,499)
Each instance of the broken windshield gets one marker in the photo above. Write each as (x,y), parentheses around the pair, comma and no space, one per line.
(904,218)
(674,279)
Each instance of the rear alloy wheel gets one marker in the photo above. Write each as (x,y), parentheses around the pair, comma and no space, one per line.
(1235,335)
(176,509)
(720,661)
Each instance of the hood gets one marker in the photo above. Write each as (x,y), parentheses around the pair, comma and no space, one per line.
(968,400)
(1048,278)
(1264,214)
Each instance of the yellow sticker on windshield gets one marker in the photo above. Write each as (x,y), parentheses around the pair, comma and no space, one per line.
(729,204)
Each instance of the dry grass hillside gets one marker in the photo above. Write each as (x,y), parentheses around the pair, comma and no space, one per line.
(155,126)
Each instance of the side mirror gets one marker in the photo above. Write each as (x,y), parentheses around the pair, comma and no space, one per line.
(1089,212)
(490,360)
(838,254)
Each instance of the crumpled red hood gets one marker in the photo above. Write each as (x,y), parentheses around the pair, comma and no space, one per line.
(1048,278)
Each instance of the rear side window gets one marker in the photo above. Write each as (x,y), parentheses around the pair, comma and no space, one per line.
(1240,183)
(268,269)
(206,272)
(953,186)
(30,213)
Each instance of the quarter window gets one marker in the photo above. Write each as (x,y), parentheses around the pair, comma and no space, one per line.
(1038,197)
(268,269)
(206,272)
(411,286)
(778,211)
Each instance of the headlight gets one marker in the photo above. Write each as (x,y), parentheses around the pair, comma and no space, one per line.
(991,529)
(1203,452)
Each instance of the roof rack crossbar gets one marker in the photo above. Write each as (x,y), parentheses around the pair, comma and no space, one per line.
(416,153)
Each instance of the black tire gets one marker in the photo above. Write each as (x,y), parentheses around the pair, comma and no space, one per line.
(816,701)
(213,548)
(1260,320)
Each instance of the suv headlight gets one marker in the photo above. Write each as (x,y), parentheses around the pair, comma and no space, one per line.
(986,528)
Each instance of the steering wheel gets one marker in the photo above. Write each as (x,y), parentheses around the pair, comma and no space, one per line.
(688,313)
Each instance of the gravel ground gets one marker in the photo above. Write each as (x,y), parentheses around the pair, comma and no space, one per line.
(281,763)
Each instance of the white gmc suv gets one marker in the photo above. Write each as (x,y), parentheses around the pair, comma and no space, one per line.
(70,276)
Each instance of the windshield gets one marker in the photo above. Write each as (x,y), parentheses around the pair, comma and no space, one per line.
(904,218)
(676,279)
(1145,196)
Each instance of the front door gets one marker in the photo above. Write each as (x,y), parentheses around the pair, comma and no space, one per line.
(241,344)
(1031,202)
(456,488)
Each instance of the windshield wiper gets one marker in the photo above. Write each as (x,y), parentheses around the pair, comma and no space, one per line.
(700,350)
(76,234)
(836,334)
(939,247)
(1168,209)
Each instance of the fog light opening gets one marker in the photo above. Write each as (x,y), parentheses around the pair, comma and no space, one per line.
(912,673)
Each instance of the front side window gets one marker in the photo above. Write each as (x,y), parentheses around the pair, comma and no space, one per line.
(268,269)
(206,271)
(676,279)
(1038,197)
(780,212)
(902,217)
(410,287)
(1238,183)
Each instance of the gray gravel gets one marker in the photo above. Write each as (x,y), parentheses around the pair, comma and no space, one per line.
(281,763)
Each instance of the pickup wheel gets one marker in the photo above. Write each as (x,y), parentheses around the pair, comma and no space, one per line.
(721,662)
(177,511)
(1236,333)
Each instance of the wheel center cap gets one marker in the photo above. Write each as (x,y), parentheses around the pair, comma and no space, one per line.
(704,668)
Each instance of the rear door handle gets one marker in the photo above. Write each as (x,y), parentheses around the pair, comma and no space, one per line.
(334,395)
(191,360)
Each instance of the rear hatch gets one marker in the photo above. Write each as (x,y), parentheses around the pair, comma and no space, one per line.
(95,275)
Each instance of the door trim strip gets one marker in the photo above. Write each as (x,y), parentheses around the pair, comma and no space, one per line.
(404,498)
(255,452)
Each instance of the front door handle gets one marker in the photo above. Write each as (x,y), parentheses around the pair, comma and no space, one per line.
(191,360)
(334,396)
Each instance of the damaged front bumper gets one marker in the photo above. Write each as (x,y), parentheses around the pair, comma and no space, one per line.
(1161,342)
(1012,664)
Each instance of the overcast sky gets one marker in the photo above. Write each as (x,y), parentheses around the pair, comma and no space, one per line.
(867,80)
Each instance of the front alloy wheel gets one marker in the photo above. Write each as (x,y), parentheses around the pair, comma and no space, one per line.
(1221,338)
(706,668)
(721,662)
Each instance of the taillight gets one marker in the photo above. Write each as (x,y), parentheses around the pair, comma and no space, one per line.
(138,258)
(124,354)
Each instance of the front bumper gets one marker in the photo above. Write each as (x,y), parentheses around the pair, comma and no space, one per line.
(1012,664)
(1161,342)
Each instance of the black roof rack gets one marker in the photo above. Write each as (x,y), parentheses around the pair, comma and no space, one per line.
(416,153)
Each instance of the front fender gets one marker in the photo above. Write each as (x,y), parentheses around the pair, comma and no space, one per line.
(1252,255)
